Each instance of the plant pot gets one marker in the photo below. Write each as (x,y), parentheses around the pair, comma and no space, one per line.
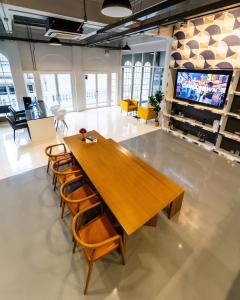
(156,123)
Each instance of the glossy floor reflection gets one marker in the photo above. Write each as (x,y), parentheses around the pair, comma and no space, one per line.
(23,155)
(195,256)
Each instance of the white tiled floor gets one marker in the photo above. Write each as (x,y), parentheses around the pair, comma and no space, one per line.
(23,155)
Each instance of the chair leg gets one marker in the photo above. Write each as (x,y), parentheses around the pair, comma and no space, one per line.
(64,122)
(55,184)
(88,276)
(14,134)
(29,133)
(48,166)
(63,206)
(74,246)
(57,125)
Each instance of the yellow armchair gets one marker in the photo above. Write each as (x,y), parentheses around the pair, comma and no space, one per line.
(128,105)
(146,113)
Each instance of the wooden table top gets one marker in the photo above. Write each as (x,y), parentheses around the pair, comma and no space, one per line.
(133,191)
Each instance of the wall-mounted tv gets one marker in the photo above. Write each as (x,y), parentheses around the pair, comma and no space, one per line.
(205,87)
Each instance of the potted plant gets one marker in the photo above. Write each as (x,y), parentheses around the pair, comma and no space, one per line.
(155,102)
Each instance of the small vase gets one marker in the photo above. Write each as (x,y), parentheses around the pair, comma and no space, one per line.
(83,138)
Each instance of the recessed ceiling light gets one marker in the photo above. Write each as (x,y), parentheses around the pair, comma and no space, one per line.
(117,8)
(55,42)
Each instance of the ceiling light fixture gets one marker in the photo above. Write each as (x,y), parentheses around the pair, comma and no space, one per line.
(55,42)
(126,47)
(117,8)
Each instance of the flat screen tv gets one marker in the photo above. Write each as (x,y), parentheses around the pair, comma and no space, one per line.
(205,87)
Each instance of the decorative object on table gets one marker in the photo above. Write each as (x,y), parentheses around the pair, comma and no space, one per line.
(155,102)
(201,137)
(91,139)
(216,124)
(83,132)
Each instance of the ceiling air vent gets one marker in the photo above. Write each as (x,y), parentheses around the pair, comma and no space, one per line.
(68,30)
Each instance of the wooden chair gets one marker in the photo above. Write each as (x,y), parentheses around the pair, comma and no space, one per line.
(53,157)
(79,199)
(62,174)
(97,238)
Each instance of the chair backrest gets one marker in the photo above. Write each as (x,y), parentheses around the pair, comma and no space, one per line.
(49,150)
(55,108)
(12,110)
(11,120)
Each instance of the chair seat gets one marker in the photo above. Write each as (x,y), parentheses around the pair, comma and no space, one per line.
(80,193)
(96,231)
(62,178)
(132,107)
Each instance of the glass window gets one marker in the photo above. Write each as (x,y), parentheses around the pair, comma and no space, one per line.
(127,80)
(7,89)
(30,85)
(114,89)
(137,80)
(137,58)
(148,58)
(125,58)
(147,70)
(157,80)
(159,59)
(56,89)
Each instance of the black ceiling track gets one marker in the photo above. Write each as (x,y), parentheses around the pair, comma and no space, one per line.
(12,38)
(209,8)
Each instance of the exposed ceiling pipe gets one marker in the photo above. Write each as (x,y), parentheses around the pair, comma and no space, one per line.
(12,38)
(210,8)
(146,12)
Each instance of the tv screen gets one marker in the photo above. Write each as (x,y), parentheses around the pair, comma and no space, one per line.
(206,87)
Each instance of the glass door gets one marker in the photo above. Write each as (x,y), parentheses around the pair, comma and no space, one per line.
(101,89)
(56,89)
(91,90)
(96,86)
(65,90)
(49,89)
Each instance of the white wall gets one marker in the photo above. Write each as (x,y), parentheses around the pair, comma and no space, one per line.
(75,60)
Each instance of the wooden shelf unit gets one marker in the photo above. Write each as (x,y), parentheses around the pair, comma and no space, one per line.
(224,114)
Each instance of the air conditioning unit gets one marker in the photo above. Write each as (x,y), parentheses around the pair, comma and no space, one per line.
(68,30)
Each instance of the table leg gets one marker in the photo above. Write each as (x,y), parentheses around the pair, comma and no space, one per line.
(124,240)
(175,206)
(152,222)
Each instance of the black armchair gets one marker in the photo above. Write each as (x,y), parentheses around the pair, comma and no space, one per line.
(16,125)
(17,114)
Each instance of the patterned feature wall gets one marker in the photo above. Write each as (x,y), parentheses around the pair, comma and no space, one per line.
(208,42)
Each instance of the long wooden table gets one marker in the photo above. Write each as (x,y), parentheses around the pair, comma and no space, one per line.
(134,191)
